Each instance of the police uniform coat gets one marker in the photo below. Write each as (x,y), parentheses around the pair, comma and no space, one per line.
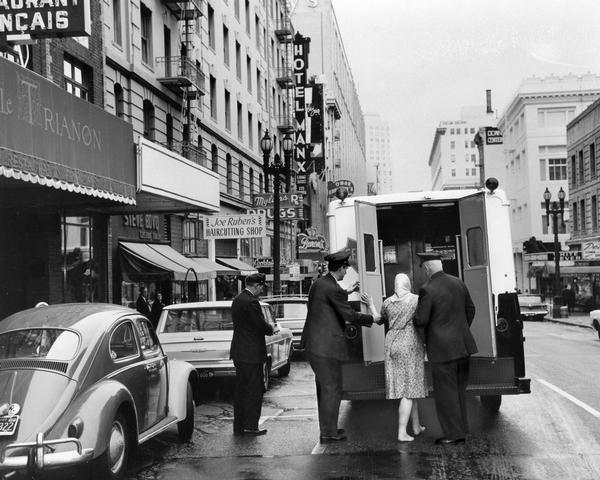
(328,312)
(249,330)
(446,311)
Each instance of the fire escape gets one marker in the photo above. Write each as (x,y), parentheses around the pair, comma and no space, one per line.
(182,74)
(284,32)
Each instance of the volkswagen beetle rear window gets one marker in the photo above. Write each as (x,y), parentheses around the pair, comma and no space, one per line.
(196,320)
(48,343)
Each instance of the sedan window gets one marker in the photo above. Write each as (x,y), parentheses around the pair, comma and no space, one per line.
(48,343)
(200,319)
(122,342)
(147,337)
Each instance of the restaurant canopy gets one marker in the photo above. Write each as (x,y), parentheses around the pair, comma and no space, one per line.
(243,268)
(161,261)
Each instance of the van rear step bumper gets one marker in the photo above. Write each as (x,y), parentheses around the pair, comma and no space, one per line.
(520,386)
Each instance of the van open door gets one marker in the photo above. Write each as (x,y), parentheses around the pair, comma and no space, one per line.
(370,276)
(476,272)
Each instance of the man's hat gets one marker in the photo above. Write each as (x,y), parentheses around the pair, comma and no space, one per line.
(255,279)
(427,256)
(340,257)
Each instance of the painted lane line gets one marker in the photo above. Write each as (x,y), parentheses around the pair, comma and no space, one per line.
(318,450)
(570,397)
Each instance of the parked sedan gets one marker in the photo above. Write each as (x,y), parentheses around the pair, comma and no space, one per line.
(200,333)
(85,383)
(532,307)
(290,312)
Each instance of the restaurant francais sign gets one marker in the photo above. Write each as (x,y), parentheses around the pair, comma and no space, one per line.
(45,18)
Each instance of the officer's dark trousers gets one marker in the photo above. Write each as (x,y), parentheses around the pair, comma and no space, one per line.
(328,377)
(247,401)
(449,389)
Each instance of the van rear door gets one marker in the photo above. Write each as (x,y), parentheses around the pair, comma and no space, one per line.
(370,276)
(476,271)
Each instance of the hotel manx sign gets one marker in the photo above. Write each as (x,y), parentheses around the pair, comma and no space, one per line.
(45,18)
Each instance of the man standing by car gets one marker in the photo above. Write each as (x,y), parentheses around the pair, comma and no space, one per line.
(445,310)
(142,305)
(249,353)
(324,342)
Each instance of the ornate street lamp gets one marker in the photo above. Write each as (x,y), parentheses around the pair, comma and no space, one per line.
(276,168)
(557,209)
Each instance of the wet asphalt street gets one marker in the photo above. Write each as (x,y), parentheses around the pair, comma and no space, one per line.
(553,433)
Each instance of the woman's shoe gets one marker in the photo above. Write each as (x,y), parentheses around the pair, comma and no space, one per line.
(418,431)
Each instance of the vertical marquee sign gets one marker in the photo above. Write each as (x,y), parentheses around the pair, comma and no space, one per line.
(301,48)
(314,121)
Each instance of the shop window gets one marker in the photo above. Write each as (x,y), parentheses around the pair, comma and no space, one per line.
(77,78)
(146,34)
(189,237)
(79,268)
(229,174)
(214,156)
(148,120)
(119,101)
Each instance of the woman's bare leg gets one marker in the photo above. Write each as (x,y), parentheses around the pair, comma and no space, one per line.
(404,412)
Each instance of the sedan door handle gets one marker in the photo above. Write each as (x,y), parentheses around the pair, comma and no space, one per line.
(198,339)
(151,368)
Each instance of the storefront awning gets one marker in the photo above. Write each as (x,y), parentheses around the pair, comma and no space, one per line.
(236,264)
(575,269)
(208,264)
(153,258)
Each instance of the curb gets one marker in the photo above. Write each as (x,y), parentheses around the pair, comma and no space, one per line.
(566,322)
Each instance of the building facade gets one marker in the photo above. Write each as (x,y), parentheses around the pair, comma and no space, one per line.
(344,129)
(535,158)
(379,160)
(583,138)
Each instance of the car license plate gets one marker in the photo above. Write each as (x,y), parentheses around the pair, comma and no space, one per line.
(8,425)
(206,373)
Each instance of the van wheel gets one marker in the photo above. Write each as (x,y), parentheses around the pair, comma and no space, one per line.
(266,368)
(185,428)
(491,402)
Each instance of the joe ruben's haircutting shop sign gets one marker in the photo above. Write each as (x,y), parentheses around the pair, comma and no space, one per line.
(45,18)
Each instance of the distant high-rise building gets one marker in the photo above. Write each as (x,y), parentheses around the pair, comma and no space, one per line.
(453,159)
(377,146)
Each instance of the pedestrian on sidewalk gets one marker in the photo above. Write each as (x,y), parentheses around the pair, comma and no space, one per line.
(445,310)
(249,353)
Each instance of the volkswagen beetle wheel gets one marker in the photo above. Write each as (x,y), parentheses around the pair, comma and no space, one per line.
(116,451)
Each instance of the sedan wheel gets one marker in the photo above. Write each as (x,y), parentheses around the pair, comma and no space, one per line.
(112,464)
(266,368)
(185,428)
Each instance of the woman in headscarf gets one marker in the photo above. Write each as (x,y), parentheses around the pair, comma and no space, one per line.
(404,356)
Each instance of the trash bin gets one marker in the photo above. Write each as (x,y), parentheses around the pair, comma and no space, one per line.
(564,312)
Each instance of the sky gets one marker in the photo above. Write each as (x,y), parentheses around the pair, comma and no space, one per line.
(417,62)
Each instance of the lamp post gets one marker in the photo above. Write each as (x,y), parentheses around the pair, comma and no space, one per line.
(276,168)
(557,209)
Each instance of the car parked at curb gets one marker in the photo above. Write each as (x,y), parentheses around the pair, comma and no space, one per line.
(532,307)
(86,384)
(290,312)
(595,321)
(200,333)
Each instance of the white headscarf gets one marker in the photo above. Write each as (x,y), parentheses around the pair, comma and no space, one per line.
(402,289)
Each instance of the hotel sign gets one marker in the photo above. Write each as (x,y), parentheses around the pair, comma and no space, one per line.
(45,18)
(300,48)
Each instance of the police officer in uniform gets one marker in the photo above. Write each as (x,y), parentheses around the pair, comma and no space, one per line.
(324,342)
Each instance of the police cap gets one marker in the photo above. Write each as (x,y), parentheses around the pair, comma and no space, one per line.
(427,256)
(255,279)
(339,258)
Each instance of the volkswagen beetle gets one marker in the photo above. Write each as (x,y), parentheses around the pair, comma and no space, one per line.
(85,384)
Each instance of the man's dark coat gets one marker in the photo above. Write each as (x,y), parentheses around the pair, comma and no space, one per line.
(249,330)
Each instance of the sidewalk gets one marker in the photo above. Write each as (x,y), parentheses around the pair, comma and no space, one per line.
(578,319)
